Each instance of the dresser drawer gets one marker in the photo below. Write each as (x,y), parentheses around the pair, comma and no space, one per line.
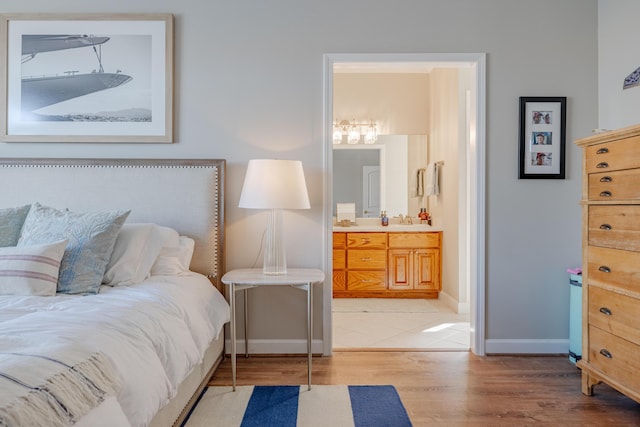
(615,357)
(615,313)
(615,155)
(366,281)
(364,259)
(339,240)
(615,185)
(615,226)
(367,240)
(339,280)
(614,267)
(414,240)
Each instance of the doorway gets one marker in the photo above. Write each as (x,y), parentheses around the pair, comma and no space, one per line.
(471,253)
(370,191)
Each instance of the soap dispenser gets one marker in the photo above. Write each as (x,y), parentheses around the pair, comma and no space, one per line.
(384,219)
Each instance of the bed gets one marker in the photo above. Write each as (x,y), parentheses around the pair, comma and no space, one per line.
(139,351)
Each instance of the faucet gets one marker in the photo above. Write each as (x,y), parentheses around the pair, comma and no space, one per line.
(405,219)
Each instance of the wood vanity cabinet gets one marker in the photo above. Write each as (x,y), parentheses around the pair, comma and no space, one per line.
(339,261)
(386,264)
(414,263)
(366,262)
(611,261)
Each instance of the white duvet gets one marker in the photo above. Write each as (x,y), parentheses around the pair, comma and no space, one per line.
(154,333)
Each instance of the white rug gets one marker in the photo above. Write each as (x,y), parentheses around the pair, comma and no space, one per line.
(383,305)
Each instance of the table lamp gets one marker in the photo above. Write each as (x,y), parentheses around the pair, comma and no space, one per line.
(275,185)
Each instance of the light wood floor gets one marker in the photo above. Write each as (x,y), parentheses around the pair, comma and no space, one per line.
(455,388)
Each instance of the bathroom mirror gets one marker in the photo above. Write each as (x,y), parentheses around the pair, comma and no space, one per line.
(379,176)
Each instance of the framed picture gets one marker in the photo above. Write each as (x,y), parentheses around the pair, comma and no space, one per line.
(542,137)
(86,78)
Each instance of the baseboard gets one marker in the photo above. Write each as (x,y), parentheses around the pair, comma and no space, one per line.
(276,346)
(492,346)
(521,346)
(453,304)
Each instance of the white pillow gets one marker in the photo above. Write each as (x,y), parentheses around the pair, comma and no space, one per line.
(174,260)
(136,249)
(169,236)
(30,270)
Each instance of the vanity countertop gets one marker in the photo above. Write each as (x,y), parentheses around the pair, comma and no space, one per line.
(389,228)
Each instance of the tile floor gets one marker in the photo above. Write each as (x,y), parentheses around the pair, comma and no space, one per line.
(400,324)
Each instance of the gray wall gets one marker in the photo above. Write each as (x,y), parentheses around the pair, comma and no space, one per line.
(249,78)
(618,56)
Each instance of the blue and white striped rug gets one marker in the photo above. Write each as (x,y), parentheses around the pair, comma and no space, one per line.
(295,406)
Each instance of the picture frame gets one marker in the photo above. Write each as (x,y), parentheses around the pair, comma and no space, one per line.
(542,137)
(92,78)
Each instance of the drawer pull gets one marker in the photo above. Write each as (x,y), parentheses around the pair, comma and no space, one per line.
(604,269)
(366,281)
(602,151)
(605,227)
(365,240)
(606,353)
(605,194)
(606,179)
(605,311)
(365,259)
(602,165)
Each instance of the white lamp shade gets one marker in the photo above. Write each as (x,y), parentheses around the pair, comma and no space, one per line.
(274,184)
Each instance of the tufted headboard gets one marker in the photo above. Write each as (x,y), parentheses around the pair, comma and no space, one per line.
(187,195)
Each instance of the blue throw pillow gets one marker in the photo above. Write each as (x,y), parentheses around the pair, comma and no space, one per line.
(11,220)
(91,236)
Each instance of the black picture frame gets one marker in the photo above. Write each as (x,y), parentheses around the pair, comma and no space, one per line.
(542,137)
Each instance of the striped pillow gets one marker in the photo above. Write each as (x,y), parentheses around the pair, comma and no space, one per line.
(30,270)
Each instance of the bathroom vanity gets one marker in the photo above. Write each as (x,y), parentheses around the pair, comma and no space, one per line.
(396,261)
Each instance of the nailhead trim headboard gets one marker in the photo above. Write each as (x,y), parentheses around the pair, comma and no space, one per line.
(185,194)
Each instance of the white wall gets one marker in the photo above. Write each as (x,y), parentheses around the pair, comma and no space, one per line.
(396,187)
(418,159)
(249,85)
(396,102)
(444,147)
(618,56)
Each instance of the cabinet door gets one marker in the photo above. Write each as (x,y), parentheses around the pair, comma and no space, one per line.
(401,268)
(427,269)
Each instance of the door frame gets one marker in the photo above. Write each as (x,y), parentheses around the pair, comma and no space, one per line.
(476,161)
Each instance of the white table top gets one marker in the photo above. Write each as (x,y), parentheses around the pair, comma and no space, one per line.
(254,276)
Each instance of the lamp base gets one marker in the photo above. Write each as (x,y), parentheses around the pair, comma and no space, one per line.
(274,259)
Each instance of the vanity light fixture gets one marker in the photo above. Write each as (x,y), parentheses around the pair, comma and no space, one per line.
(353,131)
(353,136)
(371,134)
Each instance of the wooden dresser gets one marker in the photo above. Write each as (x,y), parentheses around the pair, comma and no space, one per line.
(387,264)
(611,261)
